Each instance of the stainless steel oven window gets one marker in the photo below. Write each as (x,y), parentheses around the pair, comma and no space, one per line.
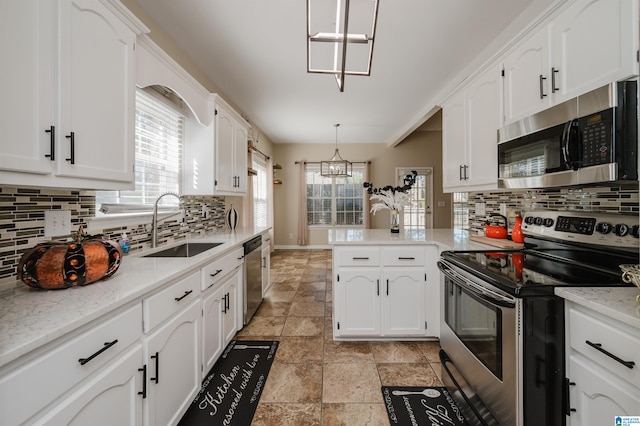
(477,323)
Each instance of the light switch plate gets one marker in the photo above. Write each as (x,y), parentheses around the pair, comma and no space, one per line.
(481,209)
(57,223)
(503,209)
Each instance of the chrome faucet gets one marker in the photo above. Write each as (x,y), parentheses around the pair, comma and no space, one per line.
(154,222)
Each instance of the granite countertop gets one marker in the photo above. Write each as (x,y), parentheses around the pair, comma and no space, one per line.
(616,302)
(31,318)
(446,239)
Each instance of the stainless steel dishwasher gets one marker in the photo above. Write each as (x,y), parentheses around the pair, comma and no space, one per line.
(252,277)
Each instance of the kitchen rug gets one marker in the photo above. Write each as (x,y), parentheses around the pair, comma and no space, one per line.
(412,406)
(232,389)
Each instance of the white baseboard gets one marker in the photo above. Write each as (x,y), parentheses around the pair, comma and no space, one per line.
(298,247)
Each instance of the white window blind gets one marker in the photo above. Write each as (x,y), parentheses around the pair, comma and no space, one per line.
(158,154)
(260,192)
(335,201)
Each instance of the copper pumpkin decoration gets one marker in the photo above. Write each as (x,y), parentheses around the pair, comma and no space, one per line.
(55,265)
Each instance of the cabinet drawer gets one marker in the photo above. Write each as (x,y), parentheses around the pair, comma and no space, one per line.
(165,303)
(358,256)
(403,256)
(608,336)
(30,387)
(213,272)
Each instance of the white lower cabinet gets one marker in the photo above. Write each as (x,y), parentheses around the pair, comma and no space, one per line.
(386,296)
(603,368)
(221,318)
(172,354)
(403,306)
(357,302)
(142,364)
(112,397)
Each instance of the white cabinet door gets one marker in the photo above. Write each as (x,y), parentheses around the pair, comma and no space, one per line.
(172,353)
(266,268)
(96,89)
(240,157)
(527,88)
(403,311)
(454,141)
(233,310)
(112,397)
(213,306)
(357,299)
(26,105)
(224,150)
(484,118)
(595,43)
(231,152)
(597,396)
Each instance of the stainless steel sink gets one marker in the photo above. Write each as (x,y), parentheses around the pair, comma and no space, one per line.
(184,250)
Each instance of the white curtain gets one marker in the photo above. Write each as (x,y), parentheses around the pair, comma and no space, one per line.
(367,204)
(302,205)
(270,199)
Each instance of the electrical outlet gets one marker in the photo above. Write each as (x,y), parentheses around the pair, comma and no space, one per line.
(481,209)
(503,209)
(57,223)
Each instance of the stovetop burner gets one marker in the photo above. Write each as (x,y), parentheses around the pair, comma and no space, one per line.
(560,250)
(526,272)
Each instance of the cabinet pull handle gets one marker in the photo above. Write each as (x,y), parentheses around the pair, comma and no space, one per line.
(216,273)
(598,347)
(460,172)
(227,303)
(72,140)
(554,89)
(466,177)
(567,398)
(52,143)
(186,293)
(106,346)
(406,258)
(157,358)
(542,94)
(387,287)
(224,304)
(264,262)
(143,392)
(378,287)
(360,258)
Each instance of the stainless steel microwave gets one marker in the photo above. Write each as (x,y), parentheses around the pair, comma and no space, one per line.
(589,139)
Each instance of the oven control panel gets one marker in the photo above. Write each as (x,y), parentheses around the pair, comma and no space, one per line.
(591,228)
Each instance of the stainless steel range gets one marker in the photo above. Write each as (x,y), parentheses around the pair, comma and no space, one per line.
(502,331)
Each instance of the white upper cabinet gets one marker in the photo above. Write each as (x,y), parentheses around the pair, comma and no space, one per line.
(215,156)
(526,65)
(588,45)
(26,104)
(231,152)
(68,113)
(595,43)
(470,123)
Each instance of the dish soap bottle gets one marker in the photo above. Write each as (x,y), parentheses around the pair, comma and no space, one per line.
(516,233)
(124,243)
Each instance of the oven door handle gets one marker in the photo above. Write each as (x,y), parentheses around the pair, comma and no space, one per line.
(478,290)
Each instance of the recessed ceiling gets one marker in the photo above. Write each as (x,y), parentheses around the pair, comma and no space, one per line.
(255,52)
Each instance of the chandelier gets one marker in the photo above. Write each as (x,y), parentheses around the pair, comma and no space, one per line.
(336,166)
(341,24)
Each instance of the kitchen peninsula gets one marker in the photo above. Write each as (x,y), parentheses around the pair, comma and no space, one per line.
(387,285)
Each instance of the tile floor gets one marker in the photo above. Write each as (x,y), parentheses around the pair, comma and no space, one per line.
(315,380)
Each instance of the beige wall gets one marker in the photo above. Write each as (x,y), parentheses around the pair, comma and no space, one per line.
(420,149)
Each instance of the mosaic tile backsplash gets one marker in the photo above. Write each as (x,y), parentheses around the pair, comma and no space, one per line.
(615,198)
(22,221)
